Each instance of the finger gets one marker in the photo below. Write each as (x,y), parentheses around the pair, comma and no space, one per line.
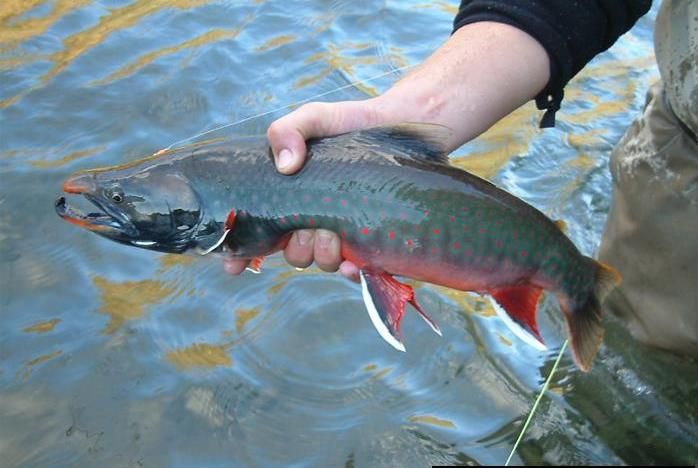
(348,269)
(234,266)
(299,250)
(288,134)
(326,250)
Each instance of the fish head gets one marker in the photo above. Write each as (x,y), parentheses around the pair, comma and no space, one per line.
(153,208)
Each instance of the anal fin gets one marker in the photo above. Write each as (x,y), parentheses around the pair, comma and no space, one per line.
(385,300)
(520,304)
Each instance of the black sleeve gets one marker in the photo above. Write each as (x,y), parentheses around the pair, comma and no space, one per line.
(572,32)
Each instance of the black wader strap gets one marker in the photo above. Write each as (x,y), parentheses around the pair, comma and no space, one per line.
(551,104)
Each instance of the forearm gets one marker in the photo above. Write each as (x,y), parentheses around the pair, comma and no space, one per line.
(482,73)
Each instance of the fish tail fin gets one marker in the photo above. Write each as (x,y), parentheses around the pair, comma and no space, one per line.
(607,279)
(584,318)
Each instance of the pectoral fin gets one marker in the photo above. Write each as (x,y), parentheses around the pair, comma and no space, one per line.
(385,300)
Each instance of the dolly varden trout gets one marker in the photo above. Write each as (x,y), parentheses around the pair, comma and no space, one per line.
(390,195)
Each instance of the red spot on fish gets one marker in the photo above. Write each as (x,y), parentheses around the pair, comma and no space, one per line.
(498,243)
(465,209)
(523,253)
(456,245)
(426,212)
(434,250)
(468,253)
(364,231)
(436,231)
(483,230)
(452,218)
(409,242)
(344,203)
(391,235)
(311,221)
(282,220)
(325,199)
(498,222)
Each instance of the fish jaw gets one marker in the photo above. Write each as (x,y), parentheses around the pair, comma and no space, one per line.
(103,220)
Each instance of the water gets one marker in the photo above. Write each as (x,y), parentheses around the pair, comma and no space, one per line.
(114,356)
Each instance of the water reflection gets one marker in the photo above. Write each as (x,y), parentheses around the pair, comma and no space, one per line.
(42,327)
(199,355)
(128,300)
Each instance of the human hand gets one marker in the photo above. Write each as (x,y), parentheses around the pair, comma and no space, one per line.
(287,137)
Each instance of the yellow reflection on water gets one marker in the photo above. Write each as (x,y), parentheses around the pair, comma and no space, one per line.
(119,18)
(469,303)
(10,9)
(503,340)
(450,8)
(52,164)
(14,32)
(168,261)
(339,58)
(432,421)
(198,41)
(586,139)
(619,92)
(506,139)
(275,42)
(201,355)
(42,327)
(128,300)
(82,42)
(242,316)
(29,365)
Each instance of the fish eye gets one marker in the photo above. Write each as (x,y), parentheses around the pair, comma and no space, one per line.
(116,195)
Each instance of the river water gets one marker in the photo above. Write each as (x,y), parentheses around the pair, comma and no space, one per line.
(115,356)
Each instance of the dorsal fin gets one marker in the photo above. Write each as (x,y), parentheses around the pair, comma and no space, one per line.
(424,142)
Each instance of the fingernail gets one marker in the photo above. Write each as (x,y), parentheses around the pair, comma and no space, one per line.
(285,159)
(304,236)
(324,239)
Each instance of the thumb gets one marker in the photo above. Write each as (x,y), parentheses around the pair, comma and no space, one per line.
(288,134)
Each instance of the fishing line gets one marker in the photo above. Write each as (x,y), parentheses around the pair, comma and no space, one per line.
(535,405)
(288,106)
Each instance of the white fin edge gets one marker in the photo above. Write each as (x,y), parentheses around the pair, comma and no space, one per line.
(517,329)
(375,317)
(143,243)
(217,244)
(430,322)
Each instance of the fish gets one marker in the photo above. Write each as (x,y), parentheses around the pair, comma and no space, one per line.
(398,206)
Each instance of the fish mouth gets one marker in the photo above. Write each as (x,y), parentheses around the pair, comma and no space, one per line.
(102,221)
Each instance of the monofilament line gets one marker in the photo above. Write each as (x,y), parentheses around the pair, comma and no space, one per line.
(293,104)
(535,405)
